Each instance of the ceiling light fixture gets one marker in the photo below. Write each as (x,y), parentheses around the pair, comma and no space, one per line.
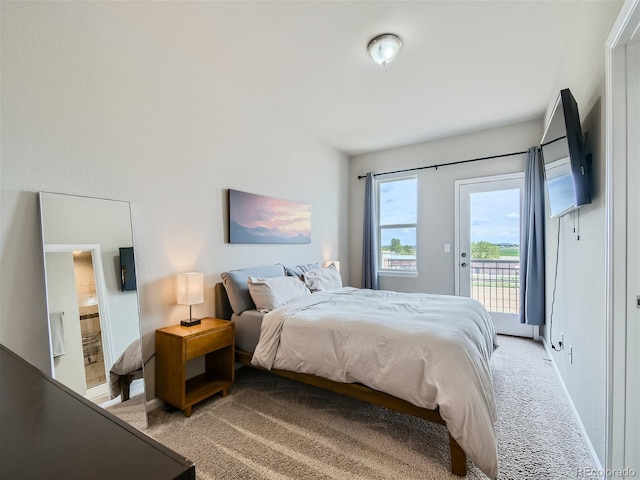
(384,48)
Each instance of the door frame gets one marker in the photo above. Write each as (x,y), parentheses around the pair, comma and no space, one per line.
(529,331)
(616,211)
(456,224)
(101,292)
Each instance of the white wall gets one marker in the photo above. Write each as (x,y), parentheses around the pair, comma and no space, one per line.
(579,310)
(435,196)
(579,307)
(92,106)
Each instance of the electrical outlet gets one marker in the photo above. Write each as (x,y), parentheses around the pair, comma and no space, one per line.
(570,353)
(561,341)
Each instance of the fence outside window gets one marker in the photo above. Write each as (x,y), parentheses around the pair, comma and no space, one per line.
(496,284)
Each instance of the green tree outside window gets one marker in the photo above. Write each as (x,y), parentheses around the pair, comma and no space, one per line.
(484,250)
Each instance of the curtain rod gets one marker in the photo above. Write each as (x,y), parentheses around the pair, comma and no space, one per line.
(360,177)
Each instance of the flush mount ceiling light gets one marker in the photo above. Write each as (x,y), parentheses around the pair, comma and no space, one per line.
(384,48)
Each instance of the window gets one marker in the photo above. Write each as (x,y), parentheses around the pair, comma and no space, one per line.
(397,224)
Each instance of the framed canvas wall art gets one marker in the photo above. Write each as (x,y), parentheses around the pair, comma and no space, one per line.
(260,219)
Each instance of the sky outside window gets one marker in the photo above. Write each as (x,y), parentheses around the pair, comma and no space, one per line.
(398,206)
(495,216)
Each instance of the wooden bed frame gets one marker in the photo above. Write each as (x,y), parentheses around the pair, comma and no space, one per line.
(125,383)
(353,390)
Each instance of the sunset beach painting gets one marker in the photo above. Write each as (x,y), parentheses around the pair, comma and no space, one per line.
(259,219)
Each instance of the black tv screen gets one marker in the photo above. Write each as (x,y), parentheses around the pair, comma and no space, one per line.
(127,269)
(567,166)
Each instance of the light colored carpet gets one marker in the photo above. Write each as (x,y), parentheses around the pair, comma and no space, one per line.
(273,428)
(133,411)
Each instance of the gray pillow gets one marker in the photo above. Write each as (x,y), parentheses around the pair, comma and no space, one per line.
(299,270)
(326,278)
(235,283)
(270,293)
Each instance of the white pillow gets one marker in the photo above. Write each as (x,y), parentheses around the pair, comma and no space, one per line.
(323,279)
(270,293)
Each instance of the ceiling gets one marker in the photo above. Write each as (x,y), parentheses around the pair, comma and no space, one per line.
(464,65)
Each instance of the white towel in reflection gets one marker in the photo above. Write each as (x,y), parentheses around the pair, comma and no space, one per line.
(58,346)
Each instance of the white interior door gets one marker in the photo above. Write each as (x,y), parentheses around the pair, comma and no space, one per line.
(488,247)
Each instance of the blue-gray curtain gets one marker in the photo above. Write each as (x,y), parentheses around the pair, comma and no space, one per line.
(532,241)
(369,247)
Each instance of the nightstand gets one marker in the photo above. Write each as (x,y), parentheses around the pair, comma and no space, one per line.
(213,338)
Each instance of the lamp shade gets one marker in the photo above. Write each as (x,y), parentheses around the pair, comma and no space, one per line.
(190,288)
(335,263)
(384,48)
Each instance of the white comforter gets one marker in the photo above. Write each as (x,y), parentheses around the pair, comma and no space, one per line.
(431,350)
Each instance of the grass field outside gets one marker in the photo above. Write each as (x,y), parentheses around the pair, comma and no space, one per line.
(509,251)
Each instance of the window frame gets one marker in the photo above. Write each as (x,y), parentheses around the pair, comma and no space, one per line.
(380,227)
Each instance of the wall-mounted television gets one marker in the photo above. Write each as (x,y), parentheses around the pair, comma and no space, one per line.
(127,270)
(567,166)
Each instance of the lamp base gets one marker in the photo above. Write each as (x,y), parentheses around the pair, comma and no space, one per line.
(191,322)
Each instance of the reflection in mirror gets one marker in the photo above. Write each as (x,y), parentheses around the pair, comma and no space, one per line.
(94,327)
(560,191)
(567,167)
(554,141)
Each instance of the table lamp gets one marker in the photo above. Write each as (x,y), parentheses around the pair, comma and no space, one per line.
(190,292)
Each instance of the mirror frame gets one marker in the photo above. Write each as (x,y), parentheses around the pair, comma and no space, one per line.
(100,270)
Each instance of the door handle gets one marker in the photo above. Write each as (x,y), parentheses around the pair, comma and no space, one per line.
(463,264)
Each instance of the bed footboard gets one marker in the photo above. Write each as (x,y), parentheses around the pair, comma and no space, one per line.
(366,394)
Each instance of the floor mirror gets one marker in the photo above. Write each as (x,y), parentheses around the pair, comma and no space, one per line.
(92,302)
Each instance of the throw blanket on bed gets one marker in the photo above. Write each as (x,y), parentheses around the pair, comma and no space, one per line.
(430,350)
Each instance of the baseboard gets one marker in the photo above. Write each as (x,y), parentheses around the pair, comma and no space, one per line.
(583,431)
(153,404)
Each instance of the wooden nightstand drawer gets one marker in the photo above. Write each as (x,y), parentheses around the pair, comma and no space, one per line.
(208,342)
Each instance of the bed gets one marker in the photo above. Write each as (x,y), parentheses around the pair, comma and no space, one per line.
(125,370)
(423,355)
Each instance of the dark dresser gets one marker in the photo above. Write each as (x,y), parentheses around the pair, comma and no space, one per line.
(49,432)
